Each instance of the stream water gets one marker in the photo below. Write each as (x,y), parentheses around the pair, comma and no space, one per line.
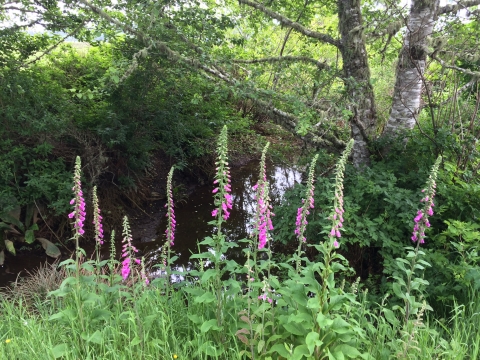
(192,216)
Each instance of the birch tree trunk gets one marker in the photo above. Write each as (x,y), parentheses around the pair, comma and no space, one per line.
(357,79)
(411,67)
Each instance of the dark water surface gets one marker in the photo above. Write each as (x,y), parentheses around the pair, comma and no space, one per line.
(192,215)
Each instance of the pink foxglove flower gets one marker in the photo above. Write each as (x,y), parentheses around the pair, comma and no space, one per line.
(223,199)
(421,220)
(97,218)
(338,210)
(78,214)
(128,250)
(170,231)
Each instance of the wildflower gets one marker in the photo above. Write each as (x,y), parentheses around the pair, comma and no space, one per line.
(263,214)
(78,201)
(302,212)
(8,341)
(127,249)
(170,231)
(338,210)
(421,220)
(264,297)
(223,198)
(175,356)
(97,218)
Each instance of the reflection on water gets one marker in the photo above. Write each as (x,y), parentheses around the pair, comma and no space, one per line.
(192,221)
(193,217)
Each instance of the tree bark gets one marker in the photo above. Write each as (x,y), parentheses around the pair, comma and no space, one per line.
(357,79)
(411,67)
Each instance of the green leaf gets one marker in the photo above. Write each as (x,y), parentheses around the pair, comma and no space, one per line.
(206,298)
(280,349)
(2,257)
(10,247)
(59,350)
(296,329)
(135,341)
(210,324)
(95,338)
(347,350)
(30,236)
(261,344)
(208,274)
(398,291)
(50,249)
(390,316)
(312,340)
(100,314)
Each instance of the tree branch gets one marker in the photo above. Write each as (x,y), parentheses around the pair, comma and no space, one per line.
(475,74)
(318,64)
(281,117)
(459,6)
(292,24)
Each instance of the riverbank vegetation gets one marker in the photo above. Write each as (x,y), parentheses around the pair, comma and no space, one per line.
(374,255)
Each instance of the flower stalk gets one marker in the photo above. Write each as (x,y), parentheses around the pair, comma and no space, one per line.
(337,214)
(128,250)
(304,210)
(78,214)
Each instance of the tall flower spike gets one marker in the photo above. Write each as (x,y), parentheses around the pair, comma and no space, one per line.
(127,250)
(308,203)
(263,213)
(421,220)
(222,199)
(78,201)
(170,231)
(337,213)
(97,218)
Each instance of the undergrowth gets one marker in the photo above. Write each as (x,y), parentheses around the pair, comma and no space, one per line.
(110,309)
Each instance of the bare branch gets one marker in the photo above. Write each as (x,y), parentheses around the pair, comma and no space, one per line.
(292,24)
(475,74)
(318,64)
(459,6)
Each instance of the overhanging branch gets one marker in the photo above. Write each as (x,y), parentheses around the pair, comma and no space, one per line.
(292,24)
(281,117)
(458,6)
(320,65)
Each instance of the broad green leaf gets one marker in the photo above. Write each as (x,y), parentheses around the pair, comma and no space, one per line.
(208,297)
(50,249)
(397,290)
(59,350)
(280,349)
(347,350)
(208,274)
(312,340)
(10,247)
(30,236)
(210,324)
(100,314)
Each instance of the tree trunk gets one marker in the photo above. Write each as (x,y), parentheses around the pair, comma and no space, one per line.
(411,67)
(357,79)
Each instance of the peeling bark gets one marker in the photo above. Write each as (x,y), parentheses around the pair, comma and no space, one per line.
(411,67)
(357,79)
